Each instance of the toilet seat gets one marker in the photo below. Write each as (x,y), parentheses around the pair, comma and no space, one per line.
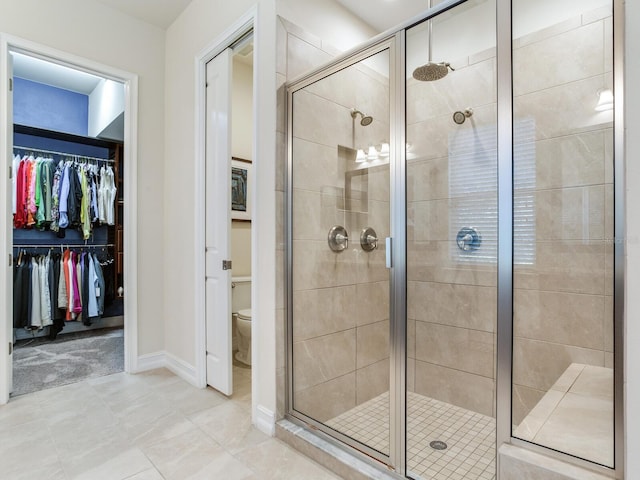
(244,314)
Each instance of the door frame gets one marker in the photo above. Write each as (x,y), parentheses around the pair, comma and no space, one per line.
(9,43)
(237,30)
(393,43)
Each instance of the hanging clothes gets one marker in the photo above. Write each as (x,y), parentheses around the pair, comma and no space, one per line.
(21,290)
(53,288)
(19,216)
(107,196)
(56,196)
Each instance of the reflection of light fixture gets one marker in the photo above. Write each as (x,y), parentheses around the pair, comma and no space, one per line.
(384,150)
(605,100)
(373,153)
(360,156)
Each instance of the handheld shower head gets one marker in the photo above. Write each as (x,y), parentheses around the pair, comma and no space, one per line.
(365,120)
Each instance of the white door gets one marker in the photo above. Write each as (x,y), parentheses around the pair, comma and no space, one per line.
(217,223)
(6,240)
(6,282)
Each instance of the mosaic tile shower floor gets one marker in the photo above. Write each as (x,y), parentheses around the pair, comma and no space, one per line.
(470,437)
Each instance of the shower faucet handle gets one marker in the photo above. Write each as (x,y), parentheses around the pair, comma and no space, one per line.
(338,238)
(368,239)
(468,239)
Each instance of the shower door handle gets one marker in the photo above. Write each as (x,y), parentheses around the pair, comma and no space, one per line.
(387,247)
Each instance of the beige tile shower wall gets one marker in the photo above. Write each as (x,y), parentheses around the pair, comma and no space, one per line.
(563,302)
(340,306)
(451,305)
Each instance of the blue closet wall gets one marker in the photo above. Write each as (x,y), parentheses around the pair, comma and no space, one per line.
(43,106)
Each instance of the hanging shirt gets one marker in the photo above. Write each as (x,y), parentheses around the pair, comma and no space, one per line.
(39,204)
(100,290)
(77,285)
(20,218)
(107,196)
(93,288)
(64,197)
(63,297)
(45,299)
(55,197)
(85,216)
(35,320)
(94,194)
(31,192)
(47,185)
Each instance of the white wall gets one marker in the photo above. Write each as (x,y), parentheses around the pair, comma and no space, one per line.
(242,114)
(106,103)
(328,20)
(241,147)
(91,30)
(241,249)
(632,155)
(198,26)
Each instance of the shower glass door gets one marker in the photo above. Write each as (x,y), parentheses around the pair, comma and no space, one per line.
(452,226)
(339,206)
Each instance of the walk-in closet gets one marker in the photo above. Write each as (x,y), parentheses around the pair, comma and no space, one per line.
(68,207)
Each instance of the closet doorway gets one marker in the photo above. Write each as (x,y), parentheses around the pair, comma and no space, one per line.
(228,188)
(66,310)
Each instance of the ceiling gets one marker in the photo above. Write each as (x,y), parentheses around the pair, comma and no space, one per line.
(385,14)
(380,14)
(36,70)
(160,13)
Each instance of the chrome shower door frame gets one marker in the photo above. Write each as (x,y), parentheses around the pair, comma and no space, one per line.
(394,40)
(394,43)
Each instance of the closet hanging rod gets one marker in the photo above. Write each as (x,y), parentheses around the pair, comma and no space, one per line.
(16,147)
(65,245)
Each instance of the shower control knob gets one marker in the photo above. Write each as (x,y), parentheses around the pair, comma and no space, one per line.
(468,239)
(368,239)
(338,238)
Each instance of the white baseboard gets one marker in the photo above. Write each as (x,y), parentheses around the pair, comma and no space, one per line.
(265,420)
(163,359)
(150,361)
(181,368)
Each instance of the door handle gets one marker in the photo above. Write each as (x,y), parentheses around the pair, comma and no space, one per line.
(388,243)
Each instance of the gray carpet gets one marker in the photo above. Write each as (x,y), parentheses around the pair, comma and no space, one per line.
(41,364)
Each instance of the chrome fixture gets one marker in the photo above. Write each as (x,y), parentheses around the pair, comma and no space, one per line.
(368,239)
(460,116)
(338,238)
(365,119)
(431,71)
(468,239)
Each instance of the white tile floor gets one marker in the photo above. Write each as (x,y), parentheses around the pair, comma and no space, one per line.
(150,426)
(470,436)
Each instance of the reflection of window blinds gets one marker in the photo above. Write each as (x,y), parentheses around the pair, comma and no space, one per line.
(473,185)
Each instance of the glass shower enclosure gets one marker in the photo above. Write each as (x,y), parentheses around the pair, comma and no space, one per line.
(450,270)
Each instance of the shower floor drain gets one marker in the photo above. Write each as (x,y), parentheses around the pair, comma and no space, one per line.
(438,445)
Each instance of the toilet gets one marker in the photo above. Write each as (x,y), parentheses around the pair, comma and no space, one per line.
(241,318)
(243,325)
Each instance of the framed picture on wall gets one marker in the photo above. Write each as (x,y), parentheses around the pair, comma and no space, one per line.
(240,192)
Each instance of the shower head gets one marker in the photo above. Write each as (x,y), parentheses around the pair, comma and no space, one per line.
(432,71)
(365,119)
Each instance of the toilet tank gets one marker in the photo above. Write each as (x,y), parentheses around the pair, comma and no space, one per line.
(240,293)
